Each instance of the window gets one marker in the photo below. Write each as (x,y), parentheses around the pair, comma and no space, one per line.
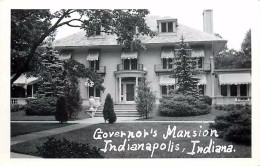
(167,27)
(130,64)
(98,31)
(243,90)
(199,62)
(167,63)
(94,64)
(29,91)
(93,92)
(223,90)
(202,89)
(233,90)
(166,89)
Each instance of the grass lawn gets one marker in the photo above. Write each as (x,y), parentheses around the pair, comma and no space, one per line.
(26,128)
(21,116)
(180,146)
(208,117)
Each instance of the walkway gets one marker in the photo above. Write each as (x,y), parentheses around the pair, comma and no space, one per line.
(79,124)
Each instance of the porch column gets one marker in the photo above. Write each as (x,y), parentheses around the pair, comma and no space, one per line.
(212,76)
(136,84)
(119,89)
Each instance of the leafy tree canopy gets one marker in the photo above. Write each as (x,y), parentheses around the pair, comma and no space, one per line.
(30,28)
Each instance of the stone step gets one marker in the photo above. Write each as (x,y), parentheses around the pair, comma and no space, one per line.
(120,113)
(121,107)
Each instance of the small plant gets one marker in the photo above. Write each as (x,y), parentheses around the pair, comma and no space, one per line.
(16,107)
(61,114)
(145,99)
(108,111)
(55,148)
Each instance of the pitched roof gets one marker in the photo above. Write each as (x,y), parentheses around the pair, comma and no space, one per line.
(190,35)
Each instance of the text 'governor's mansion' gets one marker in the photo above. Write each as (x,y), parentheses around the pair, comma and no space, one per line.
(122,70)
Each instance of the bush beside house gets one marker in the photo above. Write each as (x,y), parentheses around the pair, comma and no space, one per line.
(181,105)
(235,126)
(108,111)
(55,148)
(41,106)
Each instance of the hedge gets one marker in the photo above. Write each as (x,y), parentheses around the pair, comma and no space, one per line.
(42,106)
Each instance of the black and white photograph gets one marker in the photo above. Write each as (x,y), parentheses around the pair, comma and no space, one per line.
(171,81)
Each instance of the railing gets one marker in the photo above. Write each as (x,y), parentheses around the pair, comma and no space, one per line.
(101,70)
(162,68)
(232,100)
(137,67)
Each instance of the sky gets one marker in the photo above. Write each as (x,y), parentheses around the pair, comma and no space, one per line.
(231,19)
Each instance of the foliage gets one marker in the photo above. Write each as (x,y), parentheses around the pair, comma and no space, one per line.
(42,106)
(16,107)
(230,58)
(108,111)
(185,70)
(182,105)
(229,107)
(31,27)
(145,100)
(206,99)
(55,148)
(52,74)
(235,126)
(61,113)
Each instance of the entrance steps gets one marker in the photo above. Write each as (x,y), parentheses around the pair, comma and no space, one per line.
(121,110)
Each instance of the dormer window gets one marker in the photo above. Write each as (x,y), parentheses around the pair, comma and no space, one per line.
(167,26)
(98,31)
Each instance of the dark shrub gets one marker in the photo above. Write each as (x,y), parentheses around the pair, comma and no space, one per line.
(61,114)
(180,105)
(229,107)
(16,107)
(42,106)
(206,99)
(235,125)
(55,148)
(108,111)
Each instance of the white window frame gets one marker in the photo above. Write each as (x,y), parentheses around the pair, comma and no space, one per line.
(167,30)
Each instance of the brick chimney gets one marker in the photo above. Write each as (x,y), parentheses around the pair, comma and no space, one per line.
(208,21)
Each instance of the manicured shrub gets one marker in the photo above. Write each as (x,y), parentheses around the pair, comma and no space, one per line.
(145,100)
(42,106)
(108,111)
(229,107)
(206,99)
(235,125)
(61,114)
(16,107)
(180,105)
(55,148)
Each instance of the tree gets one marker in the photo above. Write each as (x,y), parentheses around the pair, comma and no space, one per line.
(108,110)
(246,44)
(31,27)
(51,74)
(145,99)
(185,70)
(61,114)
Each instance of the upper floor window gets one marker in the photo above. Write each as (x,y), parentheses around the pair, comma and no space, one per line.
(199,62)
(167,25)
(94,64)
(93,59)
(167,63)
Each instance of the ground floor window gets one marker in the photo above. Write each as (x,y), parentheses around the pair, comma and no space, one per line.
(234,90)
(165,89)
(202,89)
(93,91)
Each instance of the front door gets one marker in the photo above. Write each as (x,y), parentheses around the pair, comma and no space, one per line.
(130,92)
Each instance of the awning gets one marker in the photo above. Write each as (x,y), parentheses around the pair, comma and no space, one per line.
(129,55)
(167,53)
(22,80)
(196,53)
(93,55)
(202,80)
(166,80)
(65,55)
(234,78)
